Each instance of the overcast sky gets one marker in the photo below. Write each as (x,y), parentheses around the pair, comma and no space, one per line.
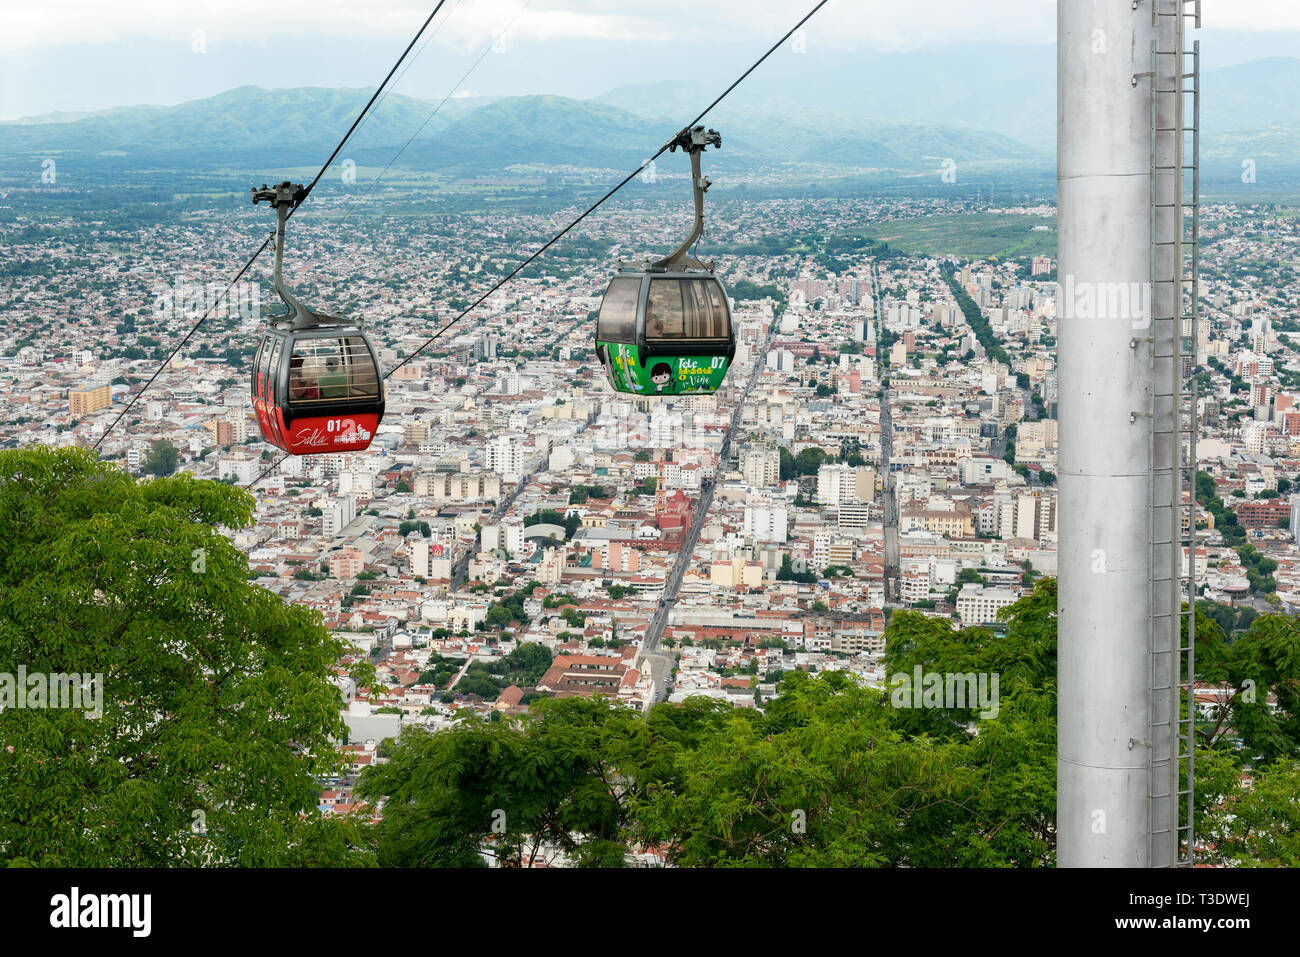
(92,54)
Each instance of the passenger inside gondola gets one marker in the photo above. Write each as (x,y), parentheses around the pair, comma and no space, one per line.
(302,384)
(654,323)
(663,309)
(334,383)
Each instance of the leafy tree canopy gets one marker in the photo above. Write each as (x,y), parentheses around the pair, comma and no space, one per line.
(161,459)
(219,714)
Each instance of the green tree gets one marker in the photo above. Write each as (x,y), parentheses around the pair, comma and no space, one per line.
(161,459)
(498,616)
(507,788)
(1254,826)
(832,772)
(218,709)
(787,464)
(1264,660)
(810,460)
(527,663)
(788,574)
(571,522)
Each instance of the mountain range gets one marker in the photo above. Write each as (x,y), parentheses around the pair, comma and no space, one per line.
(909,121)
(483,135)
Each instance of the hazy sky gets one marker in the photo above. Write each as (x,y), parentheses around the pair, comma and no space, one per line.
(92,54)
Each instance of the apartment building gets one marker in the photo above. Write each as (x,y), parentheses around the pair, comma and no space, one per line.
(979,605)
(89,397)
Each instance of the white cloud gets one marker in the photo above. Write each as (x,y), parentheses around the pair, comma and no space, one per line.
(1262,15)
(462,24)
(841,25)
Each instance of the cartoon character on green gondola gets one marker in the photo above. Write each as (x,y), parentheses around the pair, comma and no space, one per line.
(661,375)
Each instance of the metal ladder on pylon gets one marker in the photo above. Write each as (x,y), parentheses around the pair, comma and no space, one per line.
(1174,302)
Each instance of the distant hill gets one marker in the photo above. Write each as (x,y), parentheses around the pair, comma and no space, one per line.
(1255,105)
(1252,111)
(232,124)
(906,114)
(542,130)
(475,135)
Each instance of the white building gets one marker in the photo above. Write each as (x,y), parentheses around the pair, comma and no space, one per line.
(845,485)
(430,559)
(985,470)
(1024,514)
(238,427)
(336,514)
(760,466)
(978,605)
(561,459)
(766,524)
(780,360)
(505,455)
(243,471)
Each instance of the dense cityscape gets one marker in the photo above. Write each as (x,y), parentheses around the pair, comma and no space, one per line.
(899,469)
(655,548)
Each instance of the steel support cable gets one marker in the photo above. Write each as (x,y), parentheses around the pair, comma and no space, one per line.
(436,110)
(348,212)
(379,89)
(406,69)
(267,242)
(605,198)
(591,209)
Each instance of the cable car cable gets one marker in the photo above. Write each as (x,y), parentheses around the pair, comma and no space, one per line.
(436,110)
(414,40)
(266,242)
(276,464)
(268,470)
(180,345)
(406,69)
(591,209)
(600,202)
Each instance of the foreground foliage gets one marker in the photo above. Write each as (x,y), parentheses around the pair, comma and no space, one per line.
(220,717)
(218,712)
(831,773)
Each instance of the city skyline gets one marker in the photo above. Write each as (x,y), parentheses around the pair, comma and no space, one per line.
(847,487)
